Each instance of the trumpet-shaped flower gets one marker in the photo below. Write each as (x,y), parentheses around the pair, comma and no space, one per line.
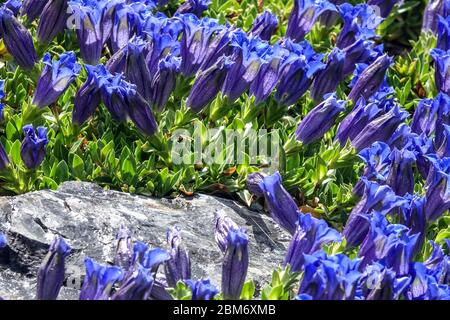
(32,150)
(178,267)
(264,25)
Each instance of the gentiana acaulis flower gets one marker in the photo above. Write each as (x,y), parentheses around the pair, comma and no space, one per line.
(311,235)
(50,275)
(319,120)
(282,207)
(202,289)
(55,78)
(401,175)
(196,7)
(425,116)
(370,80)
(264,25)
(424,286)
(99,280)
(17,39)
(304,15)
(223,224)
(114,92)
(329,18)
(3,241)
(32,150)
(135,70)
(412,215)
(437,188)
(382,7)
(53,20)
(4,159)
(443,34)
(32,9)
(125,25)
(253,183)
(433,10)
(235,264)
(137,285)
(443,151)
(327,79)
(14,6)
(208,84)
(442,69)
(164,80)
(124,249)
(376,197)
(178,267)
(361,51)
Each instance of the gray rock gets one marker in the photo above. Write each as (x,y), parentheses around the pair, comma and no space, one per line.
(88,217)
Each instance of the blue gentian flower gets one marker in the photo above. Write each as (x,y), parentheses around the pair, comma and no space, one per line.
(438,264)
(50,275)
(425,286)
(14,6)
(32,9)
(53,20)
(126,24)
(423,148)
(425,116)
(55,78)
(135,70)
(401,136)
(443,35)
(304,15)
(223,226)
(390,244)
(196,7)
(253,183)
(437,188)
(328,19)
(444,149)
(297,72)
(3,241)
(4,160)
(235,264)
(114,92)
(360,52)
(328,79)
(282,207)
(329,277)
(380,128)
(137,285)
(442,69)
(153,258)
(88,96)
(382,7)
(360,22)
(264,25)
(401,176)
(433,10)
(99,280)
(164,80)
(370,80)
(381,283)
(124,249)
(376,197)
(208,84)
(17,39)
(311,235)
(32,150)
(178,267)
(202,289)
(412,215)
(319,120)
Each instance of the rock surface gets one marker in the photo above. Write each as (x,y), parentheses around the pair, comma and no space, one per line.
(88,217)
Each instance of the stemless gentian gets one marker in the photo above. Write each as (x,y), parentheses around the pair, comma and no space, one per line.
(424,286)
(376,197)
(208,84)
(17,39)
(4,160)
(235,264)
(137,285)
(382,7)
(329,78)
(125,24)
(196,7)
(304,15)
(443,150)
(359,52)
(280,203)
(381,283)
(319,120)
(55,78)
(178,267)
(443,117)
(391,244)
(297,72)
(114,92)
(329,277)
(124,249)
(99,280)
(412,215)
(442,69)
(425,116)
(433,10)
(401,176)
(253,183)
(360,22)
(329,18)
(310,236)
(202,289)
(370,80)
(422,146)
(264,25)
(50,275)
(163,82)
(437,188)
(381,128)
(14,6)
(439,263)
(135,70)
(443,35)
(223,225)
(32,8)
(53,20)
(88,96)
(32,150)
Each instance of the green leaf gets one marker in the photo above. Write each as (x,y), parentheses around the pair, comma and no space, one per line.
(61,172)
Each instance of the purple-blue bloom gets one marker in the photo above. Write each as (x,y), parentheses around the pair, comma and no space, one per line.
(442,69)
(401,176)
(137,285)
(4,160)
(124,249)
(53,20)
(264,25)
(196,7)
(310,236)
(202,289)
(178,267)
(32,150)
(443,35)
(382,7)
(55,78)
(437,188)
(32,8)
(433,10)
